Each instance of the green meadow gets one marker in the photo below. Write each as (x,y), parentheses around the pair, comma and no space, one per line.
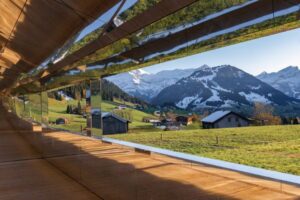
(269,147)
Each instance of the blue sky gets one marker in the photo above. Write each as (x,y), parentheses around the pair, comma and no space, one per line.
(269,54)
(104,18)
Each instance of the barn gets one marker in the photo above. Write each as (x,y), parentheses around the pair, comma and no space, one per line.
(113,124)
(224,119)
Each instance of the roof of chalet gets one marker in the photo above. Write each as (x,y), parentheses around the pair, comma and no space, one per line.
(110,114)
(215,116)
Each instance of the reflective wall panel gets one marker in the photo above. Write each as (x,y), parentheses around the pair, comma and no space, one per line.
(96,111)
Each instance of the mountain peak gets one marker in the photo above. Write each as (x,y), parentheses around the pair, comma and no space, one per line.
(286,80)
(145,85)
(219,87)
(262,74)
(140,72)
(137,75)
(203,67)
(289,69)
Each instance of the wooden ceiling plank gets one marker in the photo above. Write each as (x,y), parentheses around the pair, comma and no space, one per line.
(124,30)
(43,27)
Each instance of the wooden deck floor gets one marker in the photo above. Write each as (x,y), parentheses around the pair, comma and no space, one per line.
(59,165)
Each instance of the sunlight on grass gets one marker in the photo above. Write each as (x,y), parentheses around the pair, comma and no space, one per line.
(270,147)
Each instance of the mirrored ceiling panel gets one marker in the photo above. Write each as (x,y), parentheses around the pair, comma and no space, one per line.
(229,26)
(203,25)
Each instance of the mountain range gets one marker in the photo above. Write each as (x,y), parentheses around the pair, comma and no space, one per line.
(286,80)
(145,85)
(212,87)
(220,87)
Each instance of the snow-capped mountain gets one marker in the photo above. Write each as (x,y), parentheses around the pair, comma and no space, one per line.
(219,87)
(286,80)
(145,85)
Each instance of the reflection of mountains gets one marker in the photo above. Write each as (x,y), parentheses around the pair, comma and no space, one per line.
(146,86)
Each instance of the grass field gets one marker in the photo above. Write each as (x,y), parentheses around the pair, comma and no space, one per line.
(270,147)
(57,109)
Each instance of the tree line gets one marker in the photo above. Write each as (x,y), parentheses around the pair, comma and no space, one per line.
(263,115)
(109,91)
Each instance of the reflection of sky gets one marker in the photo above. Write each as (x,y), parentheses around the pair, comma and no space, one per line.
(104,18)
(269,54)
(88,93)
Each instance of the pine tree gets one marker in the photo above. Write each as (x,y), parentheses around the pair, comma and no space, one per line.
(79,110)
(68,109)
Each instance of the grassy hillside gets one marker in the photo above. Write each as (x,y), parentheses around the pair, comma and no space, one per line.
(58,109)
(270,147)
(136,124)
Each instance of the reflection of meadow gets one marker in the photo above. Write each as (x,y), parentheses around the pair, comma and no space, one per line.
(57,109)
(135,116)
(32,107)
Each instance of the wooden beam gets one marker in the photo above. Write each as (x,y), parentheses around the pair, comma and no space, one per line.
(8,58)
(228,20)
(153,14)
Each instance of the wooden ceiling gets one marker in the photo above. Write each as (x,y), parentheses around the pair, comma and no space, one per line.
(32,30)
(155,13)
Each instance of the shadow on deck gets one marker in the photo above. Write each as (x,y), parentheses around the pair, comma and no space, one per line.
(59,165)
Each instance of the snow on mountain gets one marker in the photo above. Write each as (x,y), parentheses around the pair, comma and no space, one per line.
(222,86)
(137,75)
(64,95)
(145,85)
(254,97)
(286,80)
